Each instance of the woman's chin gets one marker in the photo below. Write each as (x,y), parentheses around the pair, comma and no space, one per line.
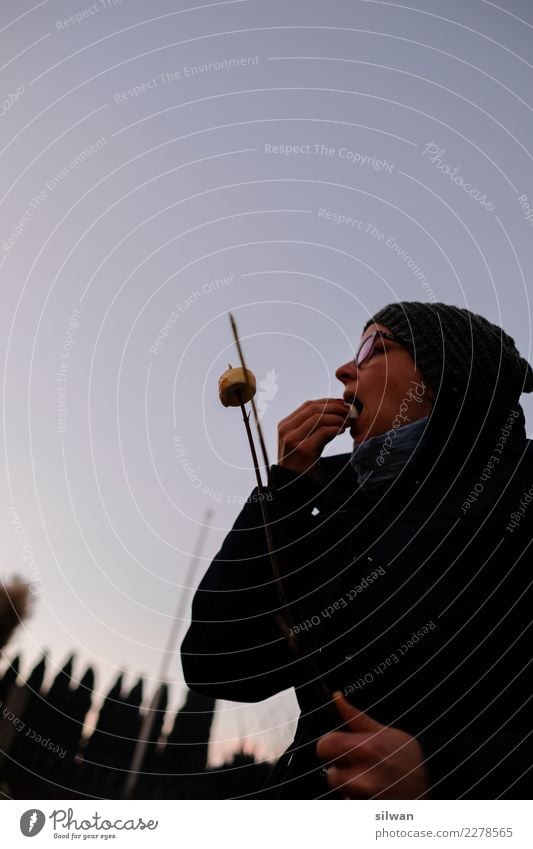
(361,431)
(357,432)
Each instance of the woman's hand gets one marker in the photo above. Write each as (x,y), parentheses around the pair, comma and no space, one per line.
(370,760)
(303,435)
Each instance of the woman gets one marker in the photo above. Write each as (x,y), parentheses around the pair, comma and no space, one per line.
(407,569)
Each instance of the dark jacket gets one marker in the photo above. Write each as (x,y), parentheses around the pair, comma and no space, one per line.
(418,607)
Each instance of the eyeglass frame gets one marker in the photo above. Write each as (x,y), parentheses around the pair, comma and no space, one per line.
(372,336)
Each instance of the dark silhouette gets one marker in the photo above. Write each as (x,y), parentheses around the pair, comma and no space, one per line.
(45,754)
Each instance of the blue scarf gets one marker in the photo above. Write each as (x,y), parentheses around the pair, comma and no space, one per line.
(378,460)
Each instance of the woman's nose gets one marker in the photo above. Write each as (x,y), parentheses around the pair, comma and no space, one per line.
(346,372)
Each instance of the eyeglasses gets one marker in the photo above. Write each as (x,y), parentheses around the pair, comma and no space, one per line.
(366,349)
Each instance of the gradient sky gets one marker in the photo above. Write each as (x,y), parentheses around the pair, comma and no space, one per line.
(188,202)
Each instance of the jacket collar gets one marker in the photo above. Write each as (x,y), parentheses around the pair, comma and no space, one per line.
(449,453)
(377,461)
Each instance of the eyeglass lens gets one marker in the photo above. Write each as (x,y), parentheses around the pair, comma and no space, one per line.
(365,349)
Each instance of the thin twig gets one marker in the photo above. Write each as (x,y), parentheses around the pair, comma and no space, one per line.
(256,417)
(284,622)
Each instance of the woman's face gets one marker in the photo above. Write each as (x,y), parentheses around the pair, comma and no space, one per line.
(390,388)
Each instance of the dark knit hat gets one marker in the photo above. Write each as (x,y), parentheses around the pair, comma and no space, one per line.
(459,352)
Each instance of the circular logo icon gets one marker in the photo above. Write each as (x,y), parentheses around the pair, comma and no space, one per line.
(32,822)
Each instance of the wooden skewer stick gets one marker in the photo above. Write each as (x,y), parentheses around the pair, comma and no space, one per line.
(285,622)
(246,420)
(256,417)
(267,524)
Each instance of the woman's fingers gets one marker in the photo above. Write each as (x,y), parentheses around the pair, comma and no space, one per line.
(303,435)
(309,408)
(350,785)
(385,763)
(313,425)
(301,454)
(343,747)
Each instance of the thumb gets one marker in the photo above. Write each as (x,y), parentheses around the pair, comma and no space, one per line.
(354,719)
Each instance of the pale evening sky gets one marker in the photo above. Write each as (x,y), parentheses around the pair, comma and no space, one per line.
(165,163)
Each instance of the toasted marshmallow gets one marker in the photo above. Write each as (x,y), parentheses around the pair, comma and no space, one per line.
(353,412)
(355,407)
(236,386)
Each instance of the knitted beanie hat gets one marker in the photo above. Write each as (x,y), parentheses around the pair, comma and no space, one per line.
(458,351)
